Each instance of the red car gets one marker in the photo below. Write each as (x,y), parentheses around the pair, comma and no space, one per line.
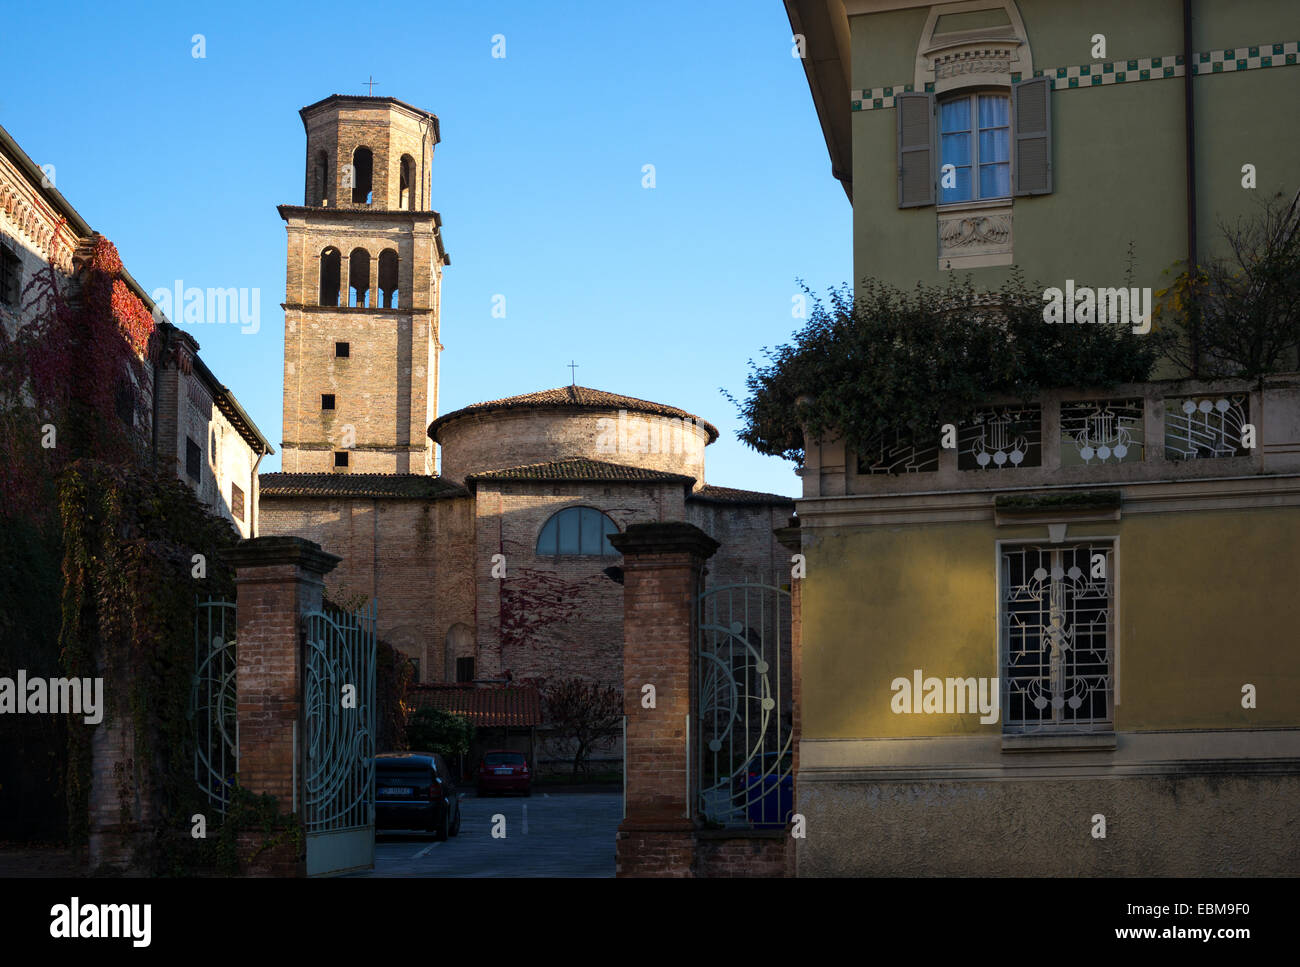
(504,771)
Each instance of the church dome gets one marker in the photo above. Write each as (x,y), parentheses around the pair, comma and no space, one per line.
(571,422)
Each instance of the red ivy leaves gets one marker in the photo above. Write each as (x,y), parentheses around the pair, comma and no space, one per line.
(104,258)
(136,321)
(68,366)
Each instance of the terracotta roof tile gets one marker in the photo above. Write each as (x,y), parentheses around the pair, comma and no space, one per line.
(387,485)
(482,705)
(572,398)
(578,470)
(730,495)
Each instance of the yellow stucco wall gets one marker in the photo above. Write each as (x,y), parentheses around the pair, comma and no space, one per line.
(1208,601)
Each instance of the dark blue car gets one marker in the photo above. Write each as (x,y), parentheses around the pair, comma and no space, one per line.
(416,790)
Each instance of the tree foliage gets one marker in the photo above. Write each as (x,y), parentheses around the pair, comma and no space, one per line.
(583,714)
(1239,314)
(890,359)
(433,730)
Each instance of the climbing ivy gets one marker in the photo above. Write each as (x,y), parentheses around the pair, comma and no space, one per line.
(127,615)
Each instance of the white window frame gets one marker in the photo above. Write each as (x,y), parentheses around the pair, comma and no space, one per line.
(973,94)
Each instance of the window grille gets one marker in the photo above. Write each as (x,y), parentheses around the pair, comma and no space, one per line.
(1205,426)
(1056,636)
(1002,438)
(896,452)
(1100,432)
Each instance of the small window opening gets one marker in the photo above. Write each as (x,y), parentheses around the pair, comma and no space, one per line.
(388,277)
(342,350)
(363,164)
(406,183)
(359,279)
(327,401)
(340,458)
(329,277)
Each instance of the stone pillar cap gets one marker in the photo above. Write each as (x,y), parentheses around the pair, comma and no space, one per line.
(265,551)
(664,537)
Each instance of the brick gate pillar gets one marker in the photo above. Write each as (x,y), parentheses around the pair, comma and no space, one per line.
(663,564)
(277,580)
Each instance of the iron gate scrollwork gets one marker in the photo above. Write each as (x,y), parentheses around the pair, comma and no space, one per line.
(744,729)
(338,720)
(213,702)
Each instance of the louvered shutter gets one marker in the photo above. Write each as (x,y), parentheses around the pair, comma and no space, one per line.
(1031,112)
(915,149)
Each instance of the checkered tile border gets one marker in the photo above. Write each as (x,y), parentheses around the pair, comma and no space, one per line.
(1123,71)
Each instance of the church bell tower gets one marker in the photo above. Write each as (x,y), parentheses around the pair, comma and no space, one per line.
(362,291)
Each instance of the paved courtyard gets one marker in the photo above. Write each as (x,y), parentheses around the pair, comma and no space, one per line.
(547,834)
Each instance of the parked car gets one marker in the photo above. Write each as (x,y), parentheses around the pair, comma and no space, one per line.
(504,771)
(415,790)
(765,790)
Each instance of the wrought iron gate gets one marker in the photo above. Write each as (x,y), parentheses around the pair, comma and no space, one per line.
(213,705)
(744,730)
(338,745)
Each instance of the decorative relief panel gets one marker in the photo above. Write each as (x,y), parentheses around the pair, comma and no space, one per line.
(972,60)
(974,237)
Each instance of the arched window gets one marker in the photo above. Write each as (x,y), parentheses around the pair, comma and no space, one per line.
(363,172)
(388,278)
(577,531)
(329,276)
(322,192)
(359,279)
(406,194)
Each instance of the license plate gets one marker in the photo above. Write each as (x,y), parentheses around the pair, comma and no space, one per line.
(505,772)
(396,791)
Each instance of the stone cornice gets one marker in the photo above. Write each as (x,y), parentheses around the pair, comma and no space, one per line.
(409,311)
(664,537)
(1139,497)
(271,551)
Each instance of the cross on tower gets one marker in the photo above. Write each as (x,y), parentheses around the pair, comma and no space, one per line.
(572,376)
(370,85)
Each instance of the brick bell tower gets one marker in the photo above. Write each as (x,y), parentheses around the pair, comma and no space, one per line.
(362,292)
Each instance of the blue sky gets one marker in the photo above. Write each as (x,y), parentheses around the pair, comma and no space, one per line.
(660,293)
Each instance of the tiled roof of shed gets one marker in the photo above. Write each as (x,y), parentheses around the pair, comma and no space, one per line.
(730,495)
(572,398)
(390,485)
(578,470)
(482,705)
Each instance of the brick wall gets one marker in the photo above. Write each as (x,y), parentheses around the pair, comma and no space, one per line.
(749,550)
(510,515)
(727,853)
(410,556)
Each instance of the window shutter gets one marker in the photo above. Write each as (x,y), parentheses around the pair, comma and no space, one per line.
(915,149)
(1031,109)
